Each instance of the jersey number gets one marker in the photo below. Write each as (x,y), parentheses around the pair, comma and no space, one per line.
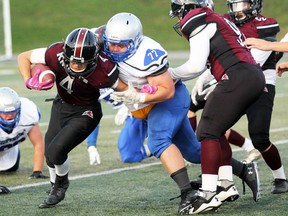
(240,35)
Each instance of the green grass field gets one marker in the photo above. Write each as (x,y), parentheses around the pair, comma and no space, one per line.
(114,188)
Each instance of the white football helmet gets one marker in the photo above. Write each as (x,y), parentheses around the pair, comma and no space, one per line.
(9,104)
(123,28)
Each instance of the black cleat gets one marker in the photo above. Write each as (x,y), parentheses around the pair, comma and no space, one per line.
(57,193)
(186,201)
(4,190)
(229,193)
(251,177)
(279,186)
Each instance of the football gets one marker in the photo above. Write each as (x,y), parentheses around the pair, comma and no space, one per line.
(46,73)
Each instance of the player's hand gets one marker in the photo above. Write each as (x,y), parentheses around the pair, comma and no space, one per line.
(149,89)
(33,82)
(94,156)
(121,115)
(208,90)
(4,190)
(201,82)
(130,96)
(281,68)
(37,175)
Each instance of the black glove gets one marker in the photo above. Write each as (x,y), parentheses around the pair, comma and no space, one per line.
(4,190)
(37,175)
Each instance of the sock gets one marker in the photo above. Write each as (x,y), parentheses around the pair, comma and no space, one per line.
(182,180)
(225,173)
(279,173)
(272,157)
(248,145)
(235,138)
(63,169)
(52,174)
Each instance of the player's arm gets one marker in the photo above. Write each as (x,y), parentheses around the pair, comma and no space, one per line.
(165,88)
(25,59)
(266,45)
(199,52)
(36,138)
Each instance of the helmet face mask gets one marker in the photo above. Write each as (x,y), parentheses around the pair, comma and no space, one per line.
(10,107)
(124,30)
(179,8)
(242,11)
(81,48)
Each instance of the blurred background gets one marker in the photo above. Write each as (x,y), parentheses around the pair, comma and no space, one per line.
(38,23)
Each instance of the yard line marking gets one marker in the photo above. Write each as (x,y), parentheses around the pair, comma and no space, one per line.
(108,172)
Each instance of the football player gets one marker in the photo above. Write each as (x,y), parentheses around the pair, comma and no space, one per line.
(19,119)
(142,61)
(217,43)
(246,14)
(80,69)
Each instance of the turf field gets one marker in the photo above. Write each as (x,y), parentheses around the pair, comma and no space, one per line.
(114,188)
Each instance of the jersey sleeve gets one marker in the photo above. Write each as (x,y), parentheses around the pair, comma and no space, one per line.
(267,28)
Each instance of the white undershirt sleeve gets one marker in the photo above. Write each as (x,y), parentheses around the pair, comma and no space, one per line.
(38,56)
(199,52)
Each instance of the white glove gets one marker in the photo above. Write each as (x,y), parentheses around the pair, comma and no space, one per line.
(203,80)
(130,96)
(121,115)
(211,86)
(94,156)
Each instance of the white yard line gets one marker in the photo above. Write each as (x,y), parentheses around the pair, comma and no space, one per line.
(107,172)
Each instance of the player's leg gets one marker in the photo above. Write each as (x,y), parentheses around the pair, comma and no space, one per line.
(259,118)
(131,141)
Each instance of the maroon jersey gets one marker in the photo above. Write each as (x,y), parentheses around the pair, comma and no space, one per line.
(263,28)
(226,46)
(80,90)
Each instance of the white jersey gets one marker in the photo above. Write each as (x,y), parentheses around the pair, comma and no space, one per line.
(29,116)
(149,58)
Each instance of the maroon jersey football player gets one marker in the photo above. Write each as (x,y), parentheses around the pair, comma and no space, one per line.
(216,40)
(80,69)
(246,14)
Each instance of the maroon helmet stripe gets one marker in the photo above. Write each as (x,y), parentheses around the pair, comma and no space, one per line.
(79,43)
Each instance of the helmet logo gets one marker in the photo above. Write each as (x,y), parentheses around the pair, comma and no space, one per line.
(79,45)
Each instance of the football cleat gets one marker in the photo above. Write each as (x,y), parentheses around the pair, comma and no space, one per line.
(196,184)
(205,201)
(250,176)
(229,193)
(279,186)
(57,193)
(253,155)
(186,201)
(4,190)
